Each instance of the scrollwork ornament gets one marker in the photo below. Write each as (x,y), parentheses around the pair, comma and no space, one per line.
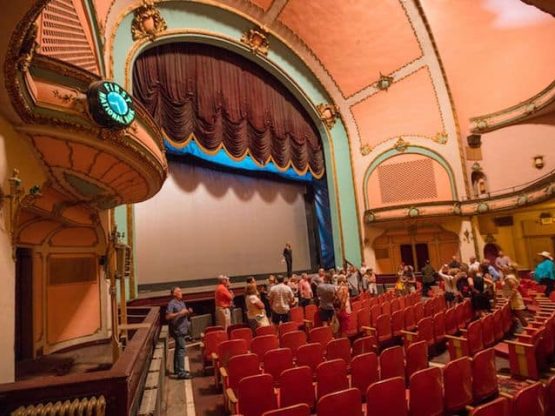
(328,114)
(148,22)
(257,40)
(401,145)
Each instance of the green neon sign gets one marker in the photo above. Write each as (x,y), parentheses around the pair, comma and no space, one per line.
(110,105)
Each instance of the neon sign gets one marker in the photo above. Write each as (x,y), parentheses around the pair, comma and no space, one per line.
(110,105)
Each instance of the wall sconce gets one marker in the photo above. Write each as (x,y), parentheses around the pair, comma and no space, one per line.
(539,162)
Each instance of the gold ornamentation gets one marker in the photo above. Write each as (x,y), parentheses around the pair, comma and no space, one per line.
(480,124)
(148,22)
(476,167)
(256,40)
(441,137)
(365,150)
(28,48)
(384,82)
(77,100)
(401,145)
(85,405)
(328,114)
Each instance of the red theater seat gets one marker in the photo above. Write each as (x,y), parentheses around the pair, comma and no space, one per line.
(364,372)
(426,393)
(295,410)
(296,387)
(331,376)
(386,397)
(345,403)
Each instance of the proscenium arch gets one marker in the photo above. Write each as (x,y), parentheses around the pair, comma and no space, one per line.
(411,149)
(345,227)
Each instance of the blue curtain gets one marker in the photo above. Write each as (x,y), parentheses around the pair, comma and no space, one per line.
(323,216)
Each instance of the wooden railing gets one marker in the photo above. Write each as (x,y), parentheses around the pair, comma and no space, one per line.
(84,407)
(121,386)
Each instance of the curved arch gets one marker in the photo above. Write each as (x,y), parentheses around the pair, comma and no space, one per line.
(411,149)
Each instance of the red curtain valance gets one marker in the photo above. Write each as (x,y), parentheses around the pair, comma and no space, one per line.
(223,100)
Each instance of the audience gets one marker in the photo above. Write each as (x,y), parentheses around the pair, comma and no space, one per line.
(326,296)
(281,299)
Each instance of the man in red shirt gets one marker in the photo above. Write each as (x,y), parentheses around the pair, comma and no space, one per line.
(223,298)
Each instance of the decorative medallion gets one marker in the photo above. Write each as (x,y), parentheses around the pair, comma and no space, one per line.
(328,114)
(457,208)
(401,145)
(482,207)
(110,105)
(530,108)
(441,137)
(256,40)
(369,217)
(481,124)
(414,212)
(148,22)
(365,150)
(384,82)
(522,200)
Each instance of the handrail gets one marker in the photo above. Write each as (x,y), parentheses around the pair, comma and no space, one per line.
(120,385)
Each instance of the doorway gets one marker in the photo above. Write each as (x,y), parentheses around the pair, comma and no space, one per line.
(23,304)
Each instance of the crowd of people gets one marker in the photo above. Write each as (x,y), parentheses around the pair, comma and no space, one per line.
(332,290)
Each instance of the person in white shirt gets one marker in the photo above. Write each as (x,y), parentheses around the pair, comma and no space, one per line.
(473,265)
(281,299)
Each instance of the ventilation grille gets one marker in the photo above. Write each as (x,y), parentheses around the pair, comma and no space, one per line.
(407,181)
(63,37)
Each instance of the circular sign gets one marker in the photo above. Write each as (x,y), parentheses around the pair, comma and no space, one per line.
(110,105)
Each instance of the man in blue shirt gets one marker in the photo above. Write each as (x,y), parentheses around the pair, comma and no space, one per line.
(545,272)
(177,315)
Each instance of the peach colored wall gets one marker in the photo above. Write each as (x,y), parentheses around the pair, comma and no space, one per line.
(356,41)
(408,107)
(495,52)
(264,4)
(440,175)
(508,154)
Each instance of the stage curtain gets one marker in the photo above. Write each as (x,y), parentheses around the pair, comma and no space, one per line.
(223,100)
(323,216)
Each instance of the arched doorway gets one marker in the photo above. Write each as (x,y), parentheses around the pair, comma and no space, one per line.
(491,251)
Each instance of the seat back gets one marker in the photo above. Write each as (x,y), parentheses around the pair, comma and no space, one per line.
(418,311)
(395,305)
(331,377)
(468,311)
(451,324)
(296,387)
(484,375)
(550,396)
(363,318)
(529,401)
(474,337)
(339,348)
(231,348)
(241,366)
(416,357)
(386,308)
(209,329)
(322,334)
(242,333)
(488,331)
(375,311)
(265,330)
(311,314)
(498,325)
(275,361)
(459,313)
(364,371)
(256,395)
(311,355)
(293,340)
(429,307)
(234,327)
(286,327)
(383,328)
(507,318)
(363,345)
(497,407)
(439,326)
(392,363)
(295,410)
(263,343)
(296,315)
(410,322)
(457,384)
(426,330)
(386,397)
(426,393)
(211,342)
(345,403)
(397,322)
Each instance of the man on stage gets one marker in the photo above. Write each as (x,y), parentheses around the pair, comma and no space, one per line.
(288,257)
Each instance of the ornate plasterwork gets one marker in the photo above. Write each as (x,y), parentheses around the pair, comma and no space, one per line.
(328,114)
(148,22)
(384,82)
(28,49)
(401,145)
(441,137)
(257,40)
(365,150)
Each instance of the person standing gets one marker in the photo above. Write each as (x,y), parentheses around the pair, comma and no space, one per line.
(223,298)
(305,291)
(256,314)
(544,273)
(326,296)
(281,299)
(288,257)
(428,278)
(177,314)
(344,305)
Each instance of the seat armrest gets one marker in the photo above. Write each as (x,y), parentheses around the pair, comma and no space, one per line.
(519,344)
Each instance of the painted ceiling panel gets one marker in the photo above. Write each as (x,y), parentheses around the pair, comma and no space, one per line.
(355,42)
(496,53)
(409,107)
